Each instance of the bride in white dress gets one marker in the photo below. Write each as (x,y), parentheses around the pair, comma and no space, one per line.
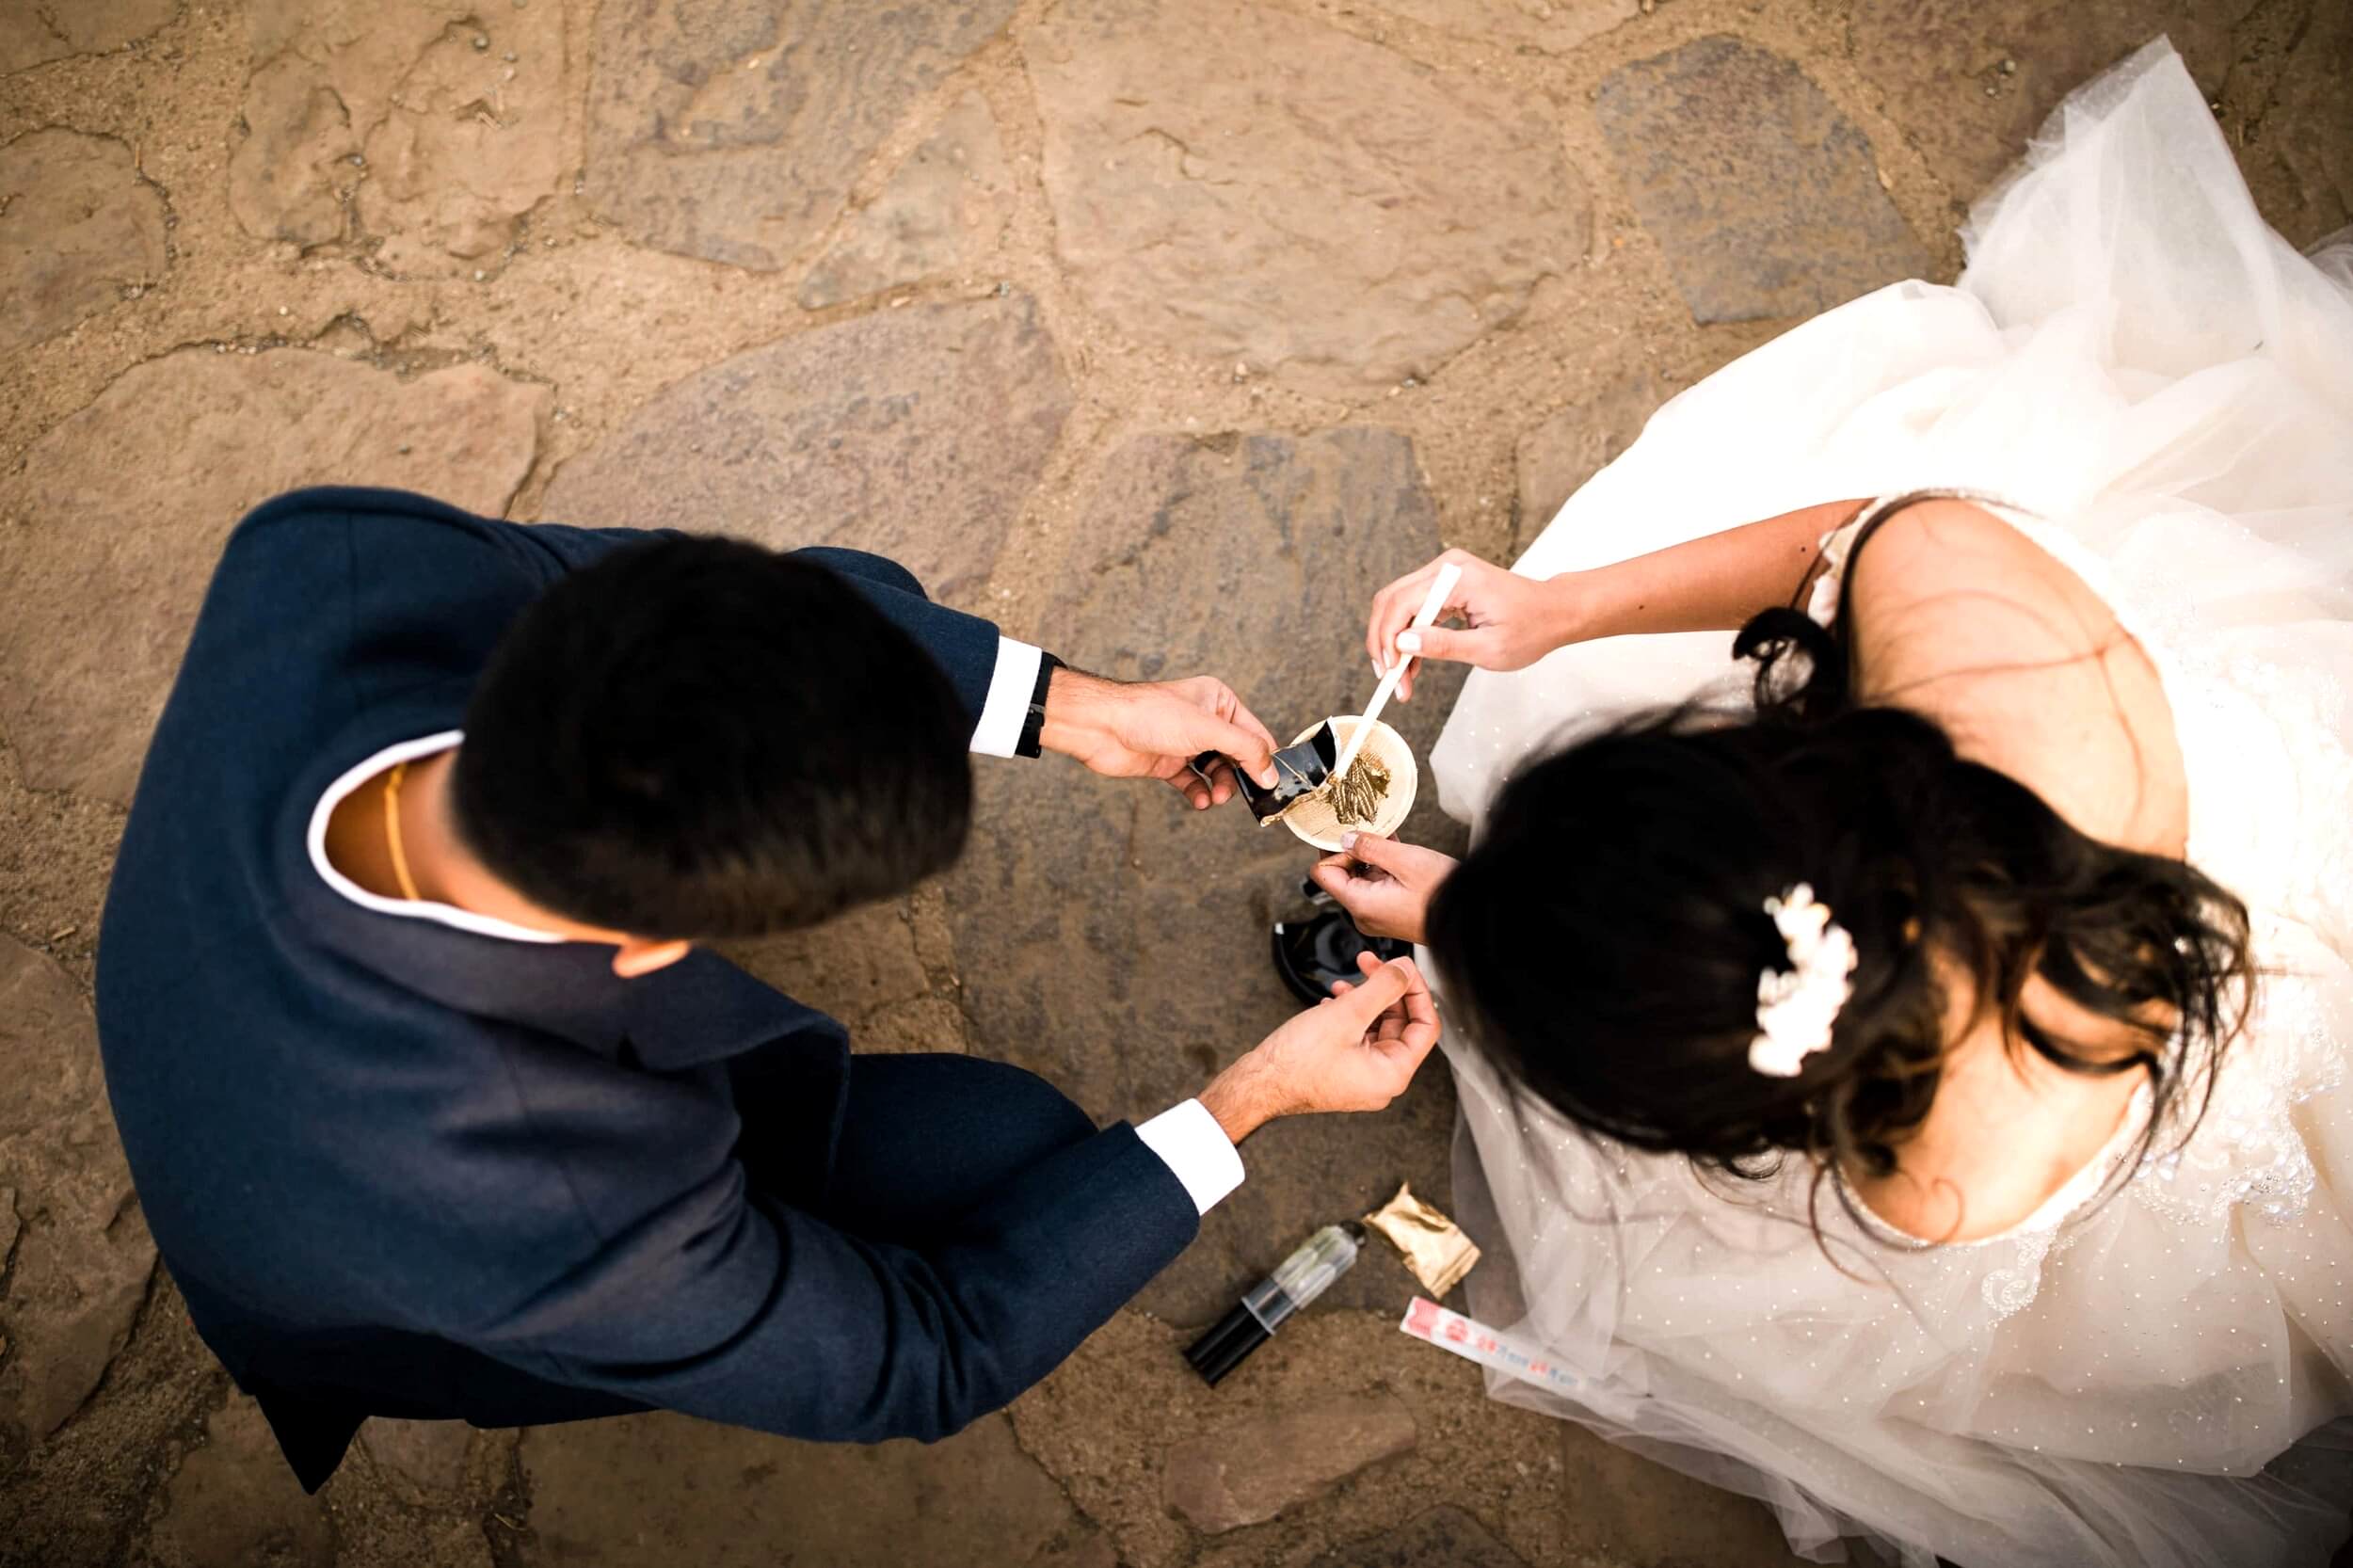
(1992,1199)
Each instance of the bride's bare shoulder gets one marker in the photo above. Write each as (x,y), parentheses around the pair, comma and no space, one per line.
(1955,613)
(2007,1132)
(1944,585)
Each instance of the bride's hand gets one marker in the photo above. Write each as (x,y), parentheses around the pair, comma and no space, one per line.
(1384,885)
(1512,621)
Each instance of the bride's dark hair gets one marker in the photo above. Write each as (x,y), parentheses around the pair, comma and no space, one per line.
(1604,939)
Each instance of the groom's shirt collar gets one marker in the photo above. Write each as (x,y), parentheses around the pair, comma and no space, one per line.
(314,840)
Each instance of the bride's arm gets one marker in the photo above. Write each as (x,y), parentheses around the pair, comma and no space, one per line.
(1711,584)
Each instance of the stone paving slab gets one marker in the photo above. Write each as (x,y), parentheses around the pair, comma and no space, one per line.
(2289,103)
(1764,198)
(1971,82)
(937,213)
(916,434)
(734,132)
(415,124)
(1555,26)
(1443,1535)
(1246,1472)
(33,32)
(1577,441)
(78,229)
(76,1259)
(1533,1484)
(1344,225)
(126,505)
(884,971)
(425,1461)
(233,1503)
(718,1497)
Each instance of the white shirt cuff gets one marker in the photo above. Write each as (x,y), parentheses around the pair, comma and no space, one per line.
(1008,705)
(1188,1139)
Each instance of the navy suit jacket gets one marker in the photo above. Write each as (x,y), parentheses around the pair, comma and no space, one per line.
(398,1168)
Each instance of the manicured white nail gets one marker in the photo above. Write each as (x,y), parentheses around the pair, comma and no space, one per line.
(1409,642)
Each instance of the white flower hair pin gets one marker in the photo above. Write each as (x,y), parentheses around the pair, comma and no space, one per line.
(1797,1007)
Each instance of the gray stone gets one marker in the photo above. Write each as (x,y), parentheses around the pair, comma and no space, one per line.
(235,1504)
(855,966)
(917,433)
(125,507)
(920,1024)
(34,32)
(944,203)
(73,1297)
(425,1461)
(78,1254)
(1252,1470)
(1233,181)
(49,1066)
(382,1537)
(1083,1546)
(1578,441)
(2282,74)
(457,144)
(623,1493)
(1934,62)
(1106,1420)
(2286,104)
(77,225)
(1764,199)
(1622,1507)
(2294,142)
(1555,26)
(291,176)
(1444,1536)
(465,144)
(734,132)
(1114,940)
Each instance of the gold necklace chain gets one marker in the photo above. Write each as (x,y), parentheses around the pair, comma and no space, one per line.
(391,831)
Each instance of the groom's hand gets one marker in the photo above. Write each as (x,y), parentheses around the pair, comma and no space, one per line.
(1354,1050)
(1152,729)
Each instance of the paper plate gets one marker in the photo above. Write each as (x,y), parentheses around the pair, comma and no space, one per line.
(1313,819)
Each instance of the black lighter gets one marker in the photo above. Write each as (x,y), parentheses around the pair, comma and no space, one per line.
(1301,769)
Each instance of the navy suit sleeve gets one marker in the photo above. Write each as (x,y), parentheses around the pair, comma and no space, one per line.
(568,549)
(731,1306)
(965,645)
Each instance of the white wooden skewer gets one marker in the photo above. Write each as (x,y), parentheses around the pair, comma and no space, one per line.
(1448,575)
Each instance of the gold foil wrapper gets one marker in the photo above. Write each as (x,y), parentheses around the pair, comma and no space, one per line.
(1437,1251)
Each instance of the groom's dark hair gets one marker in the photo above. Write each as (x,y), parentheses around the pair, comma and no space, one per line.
(700,738)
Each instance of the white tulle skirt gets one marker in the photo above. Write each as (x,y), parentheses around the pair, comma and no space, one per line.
(2159,1380)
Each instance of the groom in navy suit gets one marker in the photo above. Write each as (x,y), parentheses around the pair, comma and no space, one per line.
(436,1108)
